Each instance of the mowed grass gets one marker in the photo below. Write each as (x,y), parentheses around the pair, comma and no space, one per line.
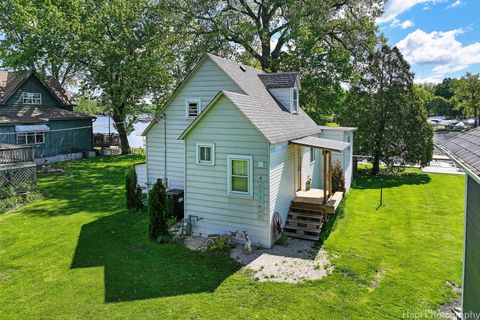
(78,254)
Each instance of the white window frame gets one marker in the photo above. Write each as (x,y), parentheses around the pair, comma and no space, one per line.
(231,192)
(312,155)
(294,105)
(212,154)
(32,98)
(36,134)
(187,109)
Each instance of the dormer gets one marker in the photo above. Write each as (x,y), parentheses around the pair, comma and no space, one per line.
(284,86)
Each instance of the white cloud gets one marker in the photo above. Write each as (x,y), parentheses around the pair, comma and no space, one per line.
(430,79)
(404,25)
(455,4)
(394,8)
(440,50)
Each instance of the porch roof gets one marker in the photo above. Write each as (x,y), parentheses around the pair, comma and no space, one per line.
(326,144)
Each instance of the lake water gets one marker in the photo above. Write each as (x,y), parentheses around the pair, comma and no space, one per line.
(135,139)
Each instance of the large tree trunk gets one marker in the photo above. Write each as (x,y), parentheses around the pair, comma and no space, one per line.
(376,165)
(122,132)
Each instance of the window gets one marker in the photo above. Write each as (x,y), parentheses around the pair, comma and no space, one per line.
(312,155)
(31,98)
(206,153)
(240,175)
(295,100)
(30,138)
(192,108)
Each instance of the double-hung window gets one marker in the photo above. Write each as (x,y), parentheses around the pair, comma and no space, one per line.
(312,155)
(192,108)
(240,175)
(294,108)
(31,98)
(206,153)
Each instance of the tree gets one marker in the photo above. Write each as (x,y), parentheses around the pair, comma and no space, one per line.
(467,95)
(133,193)
(446,88)
(157,212)
(121,51)
(41,35)
(435,105)
(392,123)
(320,39)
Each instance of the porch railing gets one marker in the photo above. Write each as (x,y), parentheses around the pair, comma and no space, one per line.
(10,153)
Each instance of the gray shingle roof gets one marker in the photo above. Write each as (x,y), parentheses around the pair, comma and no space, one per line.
(259,106)
(26,112)
(7,120)
(465,148)
(279,80)
(326,144)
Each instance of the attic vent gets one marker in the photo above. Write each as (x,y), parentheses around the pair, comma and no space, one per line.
(243,68)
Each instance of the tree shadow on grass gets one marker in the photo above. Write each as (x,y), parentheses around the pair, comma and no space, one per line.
(135,268)
(368,181)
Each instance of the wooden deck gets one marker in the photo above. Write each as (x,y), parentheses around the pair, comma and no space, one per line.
(315,197)
(308,213)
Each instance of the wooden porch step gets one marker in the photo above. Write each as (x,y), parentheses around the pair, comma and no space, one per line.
(315,209)
(311,230)
(302,236)
(313,223)
(305,215)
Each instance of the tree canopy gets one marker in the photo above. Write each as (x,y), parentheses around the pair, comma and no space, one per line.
(321,39)
(392,123)
(467,95)
(121,51)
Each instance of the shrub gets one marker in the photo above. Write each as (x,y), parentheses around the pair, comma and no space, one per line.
(338,179)
(157,213)
(133,193)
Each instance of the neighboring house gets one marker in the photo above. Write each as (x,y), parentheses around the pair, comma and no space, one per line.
(464,149)
(40,113)
(238,143)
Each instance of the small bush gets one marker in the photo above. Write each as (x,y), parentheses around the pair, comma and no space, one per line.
(282,240)
(13,202)
(133,192)
(157,213)
(338,179)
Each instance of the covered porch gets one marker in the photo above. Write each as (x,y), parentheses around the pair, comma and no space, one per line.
(320,196)
(312,206)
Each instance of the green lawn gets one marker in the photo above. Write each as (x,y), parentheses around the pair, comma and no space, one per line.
(78,254)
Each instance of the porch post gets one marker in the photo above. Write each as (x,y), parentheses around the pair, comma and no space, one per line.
(329,173)
(325,153)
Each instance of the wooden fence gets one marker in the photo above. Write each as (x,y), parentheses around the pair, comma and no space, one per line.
(14,154)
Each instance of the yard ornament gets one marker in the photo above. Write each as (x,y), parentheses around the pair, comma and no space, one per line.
(248,243)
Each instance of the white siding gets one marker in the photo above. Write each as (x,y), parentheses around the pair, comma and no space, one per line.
(307,166)
(344,158)
(206,186)
(204,84)
(282,178)
(283,95)
(141,171)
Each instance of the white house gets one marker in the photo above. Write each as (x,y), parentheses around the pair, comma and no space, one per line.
(464,149)
(235,139)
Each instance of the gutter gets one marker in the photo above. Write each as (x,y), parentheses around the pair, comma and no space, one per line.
(457,162)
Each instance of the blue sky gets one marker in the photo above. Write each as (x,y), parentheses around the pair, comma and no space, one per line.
(439,38)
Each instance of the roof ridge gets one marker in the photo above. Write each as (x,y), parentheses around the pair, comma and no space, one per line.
(234,61)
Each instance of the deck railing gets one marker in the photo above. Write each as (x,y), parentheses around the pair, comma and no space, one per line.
(10,153)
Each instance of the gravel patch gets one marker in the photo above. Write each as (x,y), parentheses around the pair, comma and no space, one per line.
(197,243)
(297,261)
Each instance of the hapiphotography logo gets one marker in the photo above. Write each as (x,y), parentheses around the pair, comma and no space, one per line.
(432,314)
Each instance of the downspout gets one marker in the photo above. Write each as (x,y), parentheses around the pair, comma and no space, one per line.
(165,149)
